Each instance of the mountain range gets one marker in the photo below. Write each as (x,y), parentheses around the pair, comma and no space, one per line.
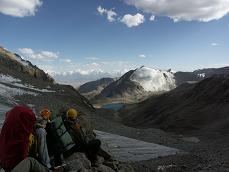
(139,84)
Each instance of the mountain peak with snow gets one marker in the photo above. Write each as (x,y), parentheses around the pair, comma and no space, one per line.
(154,80)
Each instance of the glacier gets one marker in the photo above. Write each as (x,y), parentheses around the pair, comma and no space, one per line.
(154,80)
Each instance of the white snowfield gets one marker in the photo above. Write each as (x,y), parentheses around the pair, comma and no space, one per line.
(11,87)
(8,79)
(154,80)
(131,150)
(17,82)
(10,92)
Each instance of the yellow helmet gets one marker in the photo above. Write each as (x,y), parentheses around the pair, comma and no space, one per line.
(71,113)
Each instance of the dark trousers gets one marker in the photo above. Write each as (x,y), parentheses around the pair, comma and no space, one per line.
(90,149)
(54,147)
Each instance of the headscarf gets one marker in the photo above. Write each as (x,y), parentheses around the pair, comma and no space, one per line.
(14,136)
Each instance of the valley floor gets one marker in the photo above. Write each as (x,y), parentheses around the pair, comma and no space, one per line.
(204,151)
(131,150)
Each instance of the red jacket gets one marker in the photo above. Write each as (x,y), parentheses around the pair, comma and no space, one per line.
(14,136)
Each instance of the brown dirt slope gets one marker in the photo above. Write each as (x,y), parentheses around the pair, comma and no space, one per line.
(204,105)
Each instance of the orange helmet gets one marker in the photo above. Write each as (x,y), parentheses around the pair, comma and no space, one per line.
(45,113)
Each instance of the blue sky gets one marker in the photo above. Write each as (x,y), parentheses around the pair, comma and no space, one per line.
(88,36)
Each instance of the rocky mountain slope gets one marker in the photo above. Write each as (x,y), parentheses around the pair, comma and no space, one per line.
(136,85)
(200,74)
(200,106)
(15,66)
(93,88)
(23,83)
(124,89)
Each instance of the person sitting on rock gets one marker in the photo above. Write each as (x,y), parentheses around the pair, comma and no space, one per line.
(47,143)
(14,142)
(83,143)
(40,126)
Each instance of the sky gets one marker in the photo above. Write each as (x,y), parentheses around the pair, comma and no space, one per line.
(95,38)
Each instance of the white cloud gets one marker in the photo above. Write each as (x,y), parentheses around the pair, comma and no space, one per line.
(26,51)
(19,8)
(41,55)
(90,65)
(214,44)
(142,56)
(92,58)
(66,60)
(152,18)
(184,10)
(133,20)
(110,13)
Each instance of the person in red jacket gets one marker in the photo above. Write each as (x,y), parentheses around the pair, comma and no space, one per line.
(14,141)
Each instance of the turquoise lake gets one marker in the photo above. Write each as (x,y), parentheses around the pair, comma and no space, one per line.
(114,106)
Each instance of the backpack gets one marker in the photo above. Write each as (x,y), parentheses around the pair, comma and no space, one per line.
(64,138)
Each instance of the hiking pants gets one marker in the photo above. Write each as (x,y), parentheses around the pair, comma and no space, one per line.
(30,165)
(42,147)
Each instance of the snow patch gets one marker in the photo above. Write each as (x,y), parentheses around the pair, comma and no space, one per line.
(164,168)
(31,87)
(8,79)
(10,92)
(192,82)
(201,75)
(154,80)
(17,82)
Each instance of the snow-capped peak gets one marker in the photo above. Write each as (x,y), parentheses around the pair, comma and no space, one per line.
(154,80)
